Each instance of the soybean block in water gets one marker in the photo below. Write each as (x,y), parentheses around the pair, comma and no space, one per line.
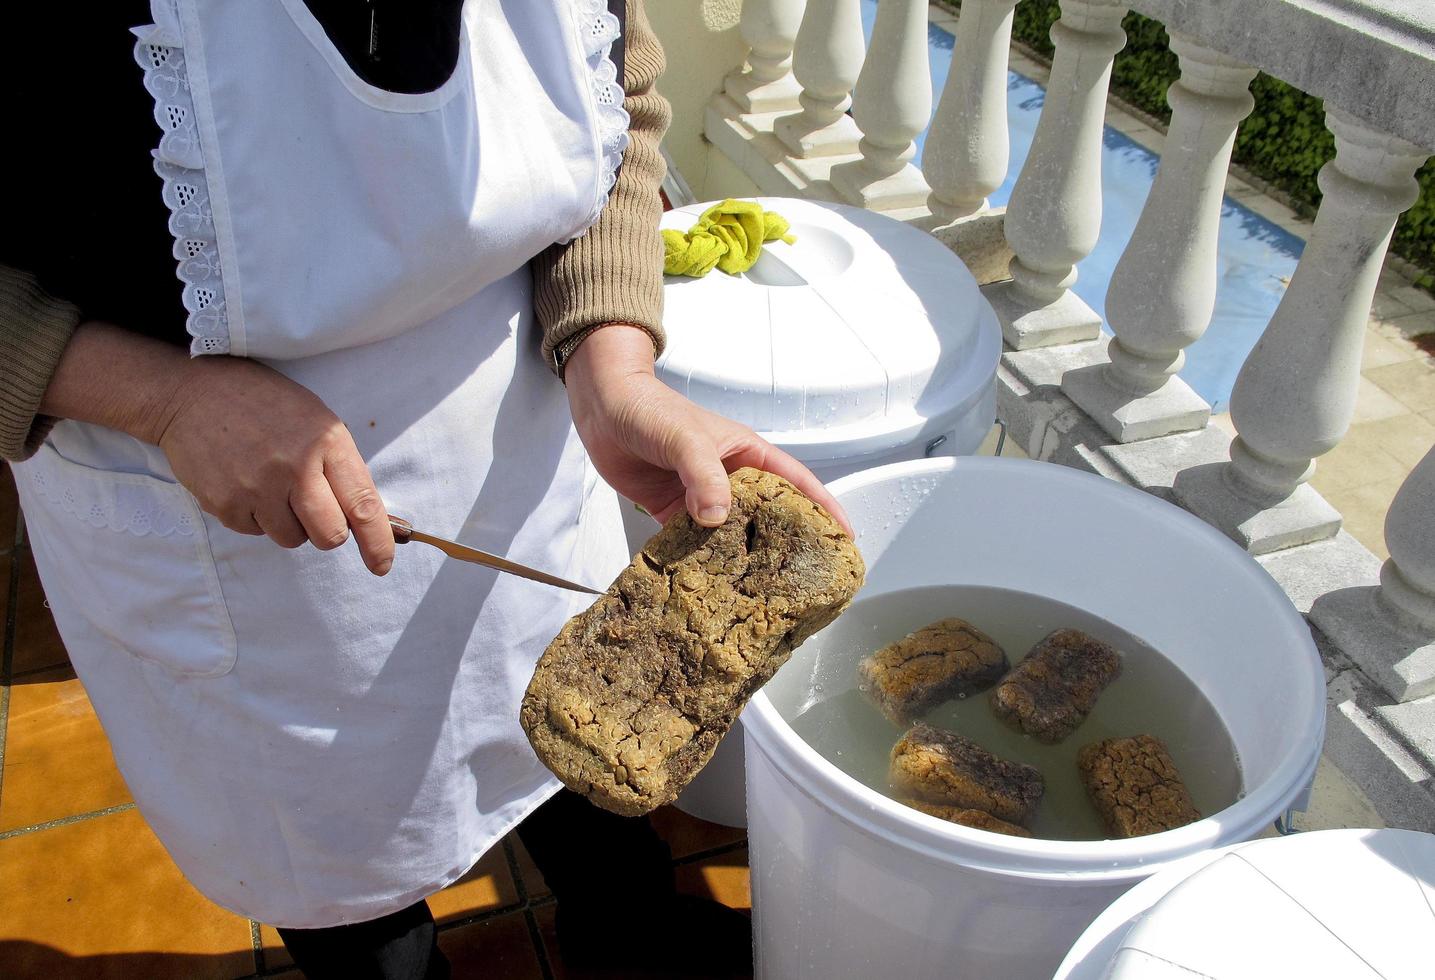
(1052,691)
(938,766)
(948,659)
(1135,786)
(975,819)
(631,699)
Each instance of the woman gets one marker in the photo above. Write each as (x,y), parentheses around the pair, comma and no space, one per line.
(394,223)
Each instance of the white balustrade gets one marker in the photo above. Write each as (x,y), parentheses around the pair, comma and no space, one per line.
(826,61)
(770,28)
(892,105)
(1054,215)
(1163,290)
(1295,395)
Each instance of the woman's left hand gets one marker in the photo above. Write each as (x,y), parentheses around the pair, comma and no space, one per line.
(657,448)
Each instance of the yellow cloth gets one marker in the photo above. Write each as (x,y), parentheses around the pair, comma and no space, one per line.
(728,235)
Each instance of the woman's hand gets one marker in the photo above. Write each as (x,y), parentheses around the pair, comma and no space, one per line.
(657,448)
(261,453)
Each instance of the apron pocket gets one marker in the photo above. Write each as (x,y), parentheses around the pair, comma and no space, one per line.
(128,555)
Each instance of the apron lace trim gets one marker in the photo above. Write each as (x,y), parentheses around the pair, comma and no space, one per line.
(600,29)
(180,164)
(120,506)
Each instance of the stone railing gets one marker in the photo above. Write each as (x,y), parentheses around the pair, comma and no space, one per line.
(789,121)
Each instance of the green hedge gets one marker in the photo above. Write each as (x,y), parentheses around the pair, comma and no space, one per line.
(1284,140)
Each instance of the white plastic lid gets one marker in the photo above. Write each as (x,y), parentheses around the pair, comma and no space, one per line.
(863,335)
(1348,904)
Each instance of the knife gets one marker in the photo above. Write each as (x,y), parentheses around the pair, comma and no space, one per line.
(404,533)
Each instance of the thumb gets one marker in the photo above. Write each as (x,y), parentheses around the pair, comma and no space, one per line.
(709,494)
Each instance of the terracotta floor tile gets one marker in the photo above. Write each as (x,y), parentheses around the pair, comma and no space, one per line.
(486,887)
(499,947)
(101,898)
(687,834)
(532,878)
(57,758)
(275,955)
(724,878)
(37,641)
(1412,382)
(547,928)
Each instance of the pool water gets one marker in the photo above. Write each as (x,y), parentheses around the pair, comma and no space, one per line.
(1256,256)
(1151,696)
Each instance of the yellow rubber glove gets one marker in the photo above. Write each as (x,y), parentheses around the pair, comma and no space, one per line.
(728,236)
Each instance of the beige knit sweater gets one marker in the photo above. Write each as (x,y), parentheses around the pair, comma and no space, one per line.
(613,274)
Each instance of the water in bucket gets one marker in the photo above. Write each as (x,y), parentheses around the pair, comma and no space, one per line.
(1152,696)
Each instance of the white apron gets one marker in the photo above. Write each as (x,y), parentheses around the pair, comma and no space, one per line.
(315,745)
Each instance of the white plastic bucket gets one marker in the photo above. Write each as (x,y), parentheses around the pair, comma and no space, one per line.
(847,883)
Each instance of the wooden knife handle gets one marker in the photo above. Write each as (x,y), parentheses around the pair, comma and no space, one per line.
(403,530)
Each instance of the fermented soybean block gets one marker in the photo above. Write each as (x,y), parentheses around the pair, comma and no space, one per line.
(968,818)
(1052,691)
(1135,786)
(938,766)
(948,659)
(631,699)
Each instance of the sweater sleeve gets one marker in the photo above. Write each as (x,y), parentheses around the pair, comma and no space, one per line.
(614,273)
(34,329)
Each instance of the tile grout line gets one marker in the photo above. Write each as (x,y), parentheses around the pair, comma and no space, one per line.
(536,938)
(256,944)
(711,852)
(66,821)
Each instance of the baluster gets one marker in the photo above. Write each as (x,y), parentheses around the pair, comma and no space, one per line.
(967,149)
(1054,215)
(770,28)
(893,103)
(826,60)
(1389,631)
(1163,289)
(1295,395)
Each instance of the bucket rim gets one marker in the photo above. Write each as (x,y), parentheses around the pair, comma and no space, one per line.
(1053,860)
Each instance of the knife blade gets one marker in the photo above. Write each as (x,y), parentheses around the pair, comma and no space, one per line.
(404,532)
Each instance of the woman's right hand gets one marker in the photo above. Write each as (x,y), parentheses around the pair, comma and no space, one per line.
(261,453)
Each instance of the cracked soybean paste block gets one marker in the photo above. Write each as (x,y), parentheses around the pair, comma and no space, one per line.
(818,692)
(631,699)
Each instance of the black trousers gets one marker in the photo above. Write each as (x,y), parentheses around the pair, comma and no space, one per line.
(591,860)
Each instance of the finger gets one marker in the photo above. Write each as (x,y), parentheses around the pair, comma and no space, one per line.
(280,524)
(359,499)
(240,522)
(708,492)
(765,456)
(312,501)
